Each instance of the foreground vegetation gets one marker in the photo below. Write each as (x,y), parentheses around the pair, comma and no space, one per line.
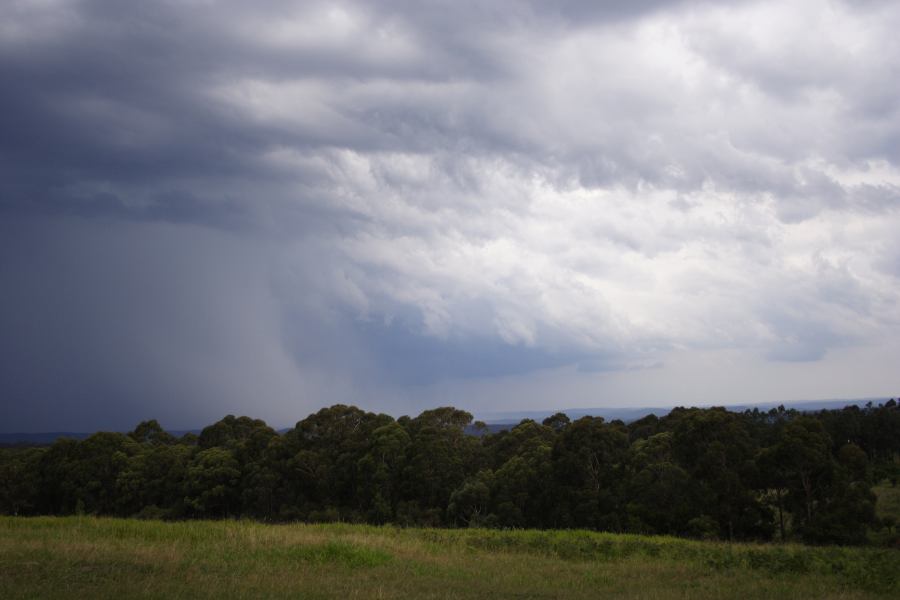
(702,473)
(89,557)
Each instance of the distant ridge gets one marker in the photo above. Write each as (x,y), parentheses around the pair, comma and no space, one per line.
(633,414)
(497,421)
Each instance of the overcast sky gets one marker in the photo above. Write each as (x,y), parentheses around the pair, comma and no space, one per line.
(267,207)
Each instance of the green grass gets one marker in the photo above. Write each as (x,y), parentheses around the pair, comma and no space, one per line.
(88,557)
(888,503)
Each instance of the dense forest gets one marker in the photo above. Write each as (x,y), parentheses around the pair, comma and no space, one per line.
(707,473)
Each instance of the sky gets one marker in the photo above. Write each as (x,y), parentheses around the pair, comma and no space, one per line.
(221,207)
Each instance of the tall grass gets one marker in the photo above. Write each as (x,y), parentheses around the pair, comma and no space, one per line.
(99,558)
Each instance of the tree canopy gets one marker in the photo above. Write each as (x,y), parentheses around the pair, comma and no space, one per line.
(711,472)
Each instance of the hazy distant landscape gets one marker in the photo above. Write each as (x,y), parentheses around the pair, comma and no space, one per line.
(632,414)
(499,421)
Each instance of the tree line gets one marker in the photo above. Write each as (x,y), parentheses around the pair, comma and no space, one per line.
(707,473)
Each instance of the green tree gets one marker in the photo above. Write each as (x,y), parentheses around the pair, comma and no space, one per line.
(439,458)
(212,486)
(521,487)
(153,481)
(151,433)
(658,489)
(19,480)
(469,504)
(715,448)
(329,447)
(588,463)
(381,469)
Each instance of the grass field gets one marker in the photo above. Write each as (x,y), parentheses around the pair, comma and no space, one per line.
(86,557)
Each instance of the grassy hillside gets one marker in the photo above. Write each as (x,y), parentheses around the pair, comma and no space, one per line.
(105,558)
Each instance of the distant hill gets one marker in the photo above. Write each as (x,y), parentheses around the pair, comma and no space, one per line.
(499,421)
(502,420)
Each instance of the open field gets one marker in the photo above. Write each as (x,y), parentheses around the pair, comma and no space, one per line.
(105,558)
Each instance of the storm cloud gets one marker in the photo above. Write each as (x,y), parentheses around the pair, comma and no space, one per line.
(211,207)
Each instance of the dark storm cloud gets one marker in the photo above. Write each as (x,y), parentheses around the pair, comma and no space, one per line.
(105,324)
(297,201)
(119,94)
(404,355)
(112,94)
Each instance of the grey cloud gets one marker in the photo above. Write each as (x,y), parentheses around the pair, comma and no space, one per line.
(403,355)
(108,322)
(401,194)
